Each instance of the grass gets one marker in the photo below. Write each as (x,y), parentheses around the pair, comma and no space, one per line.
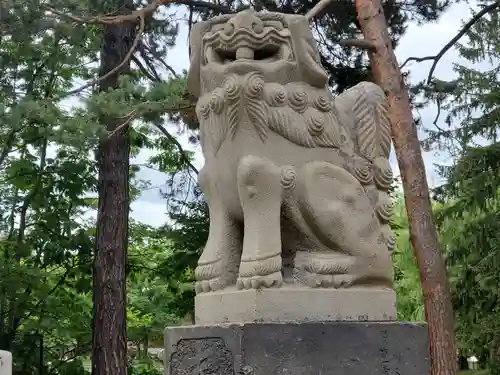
(475,372)
(87,365)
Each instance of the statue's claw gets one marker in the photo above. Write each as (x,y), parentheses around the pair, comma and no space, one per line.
(273,280)
(338,271)
(210,277)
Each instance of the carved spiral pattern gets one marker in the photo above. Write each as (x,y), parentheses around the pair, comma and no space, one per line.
(391,241)
(323,104)
(275,95)
(288,178)
(217,101)
(384,210)
(231,87)
(316,125)
(298,101)
(204,110)
(254,85)
(383,173)
(363,171)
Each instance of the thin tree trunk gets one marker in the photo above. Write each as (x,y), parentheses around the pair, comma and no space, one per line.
(435,287)
(109,343)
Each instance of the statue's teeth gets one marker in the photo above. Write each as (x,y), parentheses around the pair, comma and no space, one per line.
(244,53)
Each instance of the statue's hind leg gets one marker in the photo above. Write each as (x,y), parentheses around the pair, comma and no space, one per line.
(219,262)
(339,213)
(259,188)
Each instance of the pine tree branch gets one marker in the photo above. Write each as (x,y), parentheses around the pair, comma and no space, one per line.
(452,42)
(116,68)
(143,12)
(133,114)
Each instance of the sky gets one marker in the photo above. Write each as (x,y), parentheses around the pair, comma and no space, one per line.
(418,41)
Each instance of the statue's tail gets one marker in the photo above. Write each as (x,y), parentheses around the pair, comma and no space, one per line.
(365,107)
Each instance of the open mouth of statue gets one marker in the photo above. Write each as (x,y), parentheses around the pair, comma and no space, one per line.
(243,47)
(268,53)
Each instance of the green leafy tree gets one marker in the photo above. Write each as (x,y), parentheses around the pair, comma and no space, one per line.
(149,297)
(48,174)
(45,249)
(469,218)
(410,303)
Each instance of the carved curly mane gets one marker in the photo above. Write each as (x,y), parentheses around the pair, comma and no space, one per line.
(304,116)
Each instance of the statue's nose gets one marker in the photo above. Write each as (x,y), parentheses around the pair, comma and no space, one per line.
(244,20)
(247,21)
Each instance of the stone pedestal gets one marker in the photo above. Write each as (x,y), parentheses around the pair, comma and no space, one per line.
(295,303)
(332,348)
(5,362)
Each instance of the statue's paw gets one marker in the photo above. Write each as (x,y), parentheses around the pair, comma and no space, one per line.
(212,285)
(340,271)
(273,280)
(329,270)
(209,277)
(344,281)
(316,280)
(264,272)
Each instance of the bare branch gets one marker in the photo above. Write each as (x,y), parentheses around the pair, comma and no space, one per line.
(152,76)
(318,9)
(417,59)
(203,4)
(143,48)
(128,118)
(358,43)
(452,42)
(179,147)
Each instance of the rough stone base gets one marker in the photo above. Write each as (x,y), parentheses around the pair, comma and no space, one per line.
(334,348)
(295,304)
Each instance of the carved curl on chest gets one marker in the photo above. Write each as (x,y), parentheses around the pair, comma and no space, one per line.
(304,116)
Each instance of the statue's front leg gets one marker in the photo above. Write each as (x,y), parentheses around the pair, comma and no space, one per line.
(259,188)
(219,262)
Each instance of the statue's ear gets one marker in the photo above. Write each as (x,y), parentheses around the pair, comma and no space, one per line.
(195,58)
(306,52)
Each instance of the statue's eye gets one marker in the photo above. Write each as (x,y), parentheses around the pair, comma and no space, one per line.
(218,27)
(228,28)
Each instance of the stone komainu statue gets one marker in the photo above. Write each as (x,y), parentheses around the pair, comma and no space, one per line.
(296,180)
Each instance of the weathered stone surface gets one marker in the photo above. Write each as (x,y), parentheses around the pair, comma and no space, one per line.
(295,179)
(298,349)
(295,304)
(5,362)
(201,356)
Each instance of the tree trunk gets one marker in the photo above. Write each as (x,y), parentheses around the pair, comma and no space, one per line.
(435,287)
(109,344)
